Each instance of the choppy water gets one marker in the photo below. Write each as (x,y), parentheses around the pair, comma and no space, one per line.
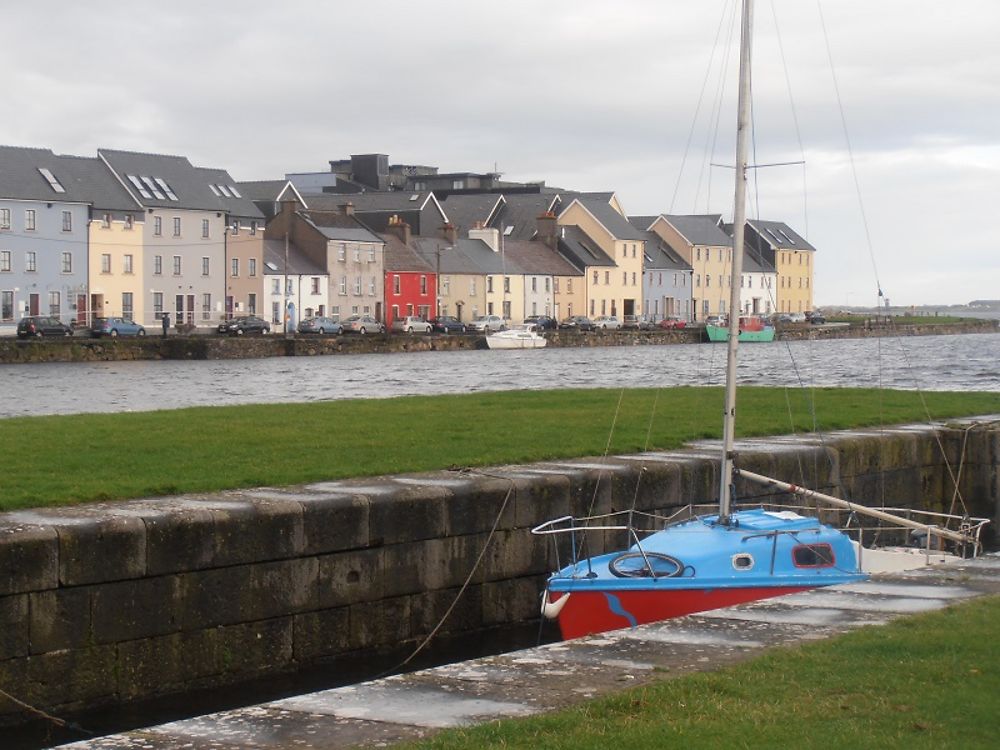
(956,363)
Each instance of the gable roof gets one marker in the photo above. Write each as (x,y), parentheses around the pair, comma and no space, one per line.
(699,229)
(579,250)
(599,206)
(464,256)
(465,210)
(299,264)
(779,235)
(396,201)
(520,211)
(403,258)
(337,226)
(82,179)
(660,255)
(533,257)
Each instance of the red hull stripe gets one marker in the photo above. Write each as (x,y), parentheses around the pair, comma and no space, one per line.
(589,612)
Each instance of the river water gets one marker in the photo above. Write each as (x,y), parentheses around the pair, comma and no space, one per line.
(955,363)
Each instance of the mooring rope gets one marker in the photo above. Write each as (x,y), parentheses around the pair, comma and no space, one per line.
(72,725)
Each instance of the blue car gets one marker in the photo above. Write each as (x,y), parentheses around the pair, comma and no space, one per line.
(115,327)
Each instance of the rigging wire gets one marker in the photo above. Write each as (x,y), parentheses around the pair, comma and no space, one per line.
(715,118)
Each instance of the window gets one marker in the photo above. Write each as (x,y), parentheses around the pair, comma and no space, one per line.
(67,262)
(596,282)
(624,278)
(342,287)
(4,218)
(206,306)
(5,261)
(357,286)
(204,228)
(813,556)
(423,285)
(371,286)
(177,226)
(275,312)
(395,284)
(54,303)
(29,220)
(177,264)
(289,287)
(205,266)
(157,305)
(506,284)
(534,284)
(236,226)
(607,277)
(547,280)
(252,266)
(157,265)
(342,253)
(105,262)
(555,285)
(234,267)
(446,285)
(569,286)
(252,304)
(253,228)
(357,253)
(633,279)
(67,221)
(275,286)
(697,279)
(708,280)
(371,255)
(127,305)
(472,287)
(127,265)
(314,284)
(7,306)
(129,222)
(158,226)
(31,261)
(489,285)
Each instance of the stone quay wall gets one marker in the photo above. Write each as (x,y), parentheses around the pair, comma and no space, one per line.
(112,603)
(205,346)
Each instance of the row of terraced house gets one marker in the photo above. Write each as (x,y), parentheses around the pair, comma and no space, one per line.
(145,235)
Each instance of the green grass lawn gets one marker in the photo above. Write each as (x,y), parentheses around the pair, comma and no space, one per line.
(83,458)
(931,681)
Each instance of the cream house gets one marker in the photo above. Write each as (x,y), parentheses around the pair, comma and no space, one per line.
(791,257)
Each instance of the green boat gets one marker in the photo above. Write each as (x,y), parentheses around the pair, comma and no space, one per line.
(752,329)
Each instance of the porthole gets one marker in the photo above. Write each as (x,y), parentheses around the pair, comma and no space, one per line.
(813,556)
(634,565)
(743,561)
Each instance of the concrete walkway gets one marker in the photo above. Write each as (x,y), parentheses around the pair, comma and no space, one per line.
(376,714)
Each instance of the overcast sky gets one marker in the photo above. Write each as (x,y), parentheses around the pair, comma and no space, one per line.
(583,94)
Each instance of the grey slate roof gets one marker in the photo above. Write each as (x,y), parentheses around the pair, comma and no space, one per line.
(660,255)
(520,211)
(189,183)
(299,264)
(700,229)
(465,256)
(262,190)
(335,226)
(400,257)
(464,210)
(537,258)
(399,200)
(85,179)
(779,235)
(579,250)
(598,204)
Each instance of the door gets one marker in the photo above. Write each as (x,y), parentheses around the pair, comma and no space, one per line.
(81,309)
(190,309)
(33,304)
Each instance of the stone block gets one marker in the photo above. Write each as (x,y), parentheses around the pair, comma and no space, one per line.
(513,554)
(657,486)
(130,610)
(98,549)
(450,561)
(61,619)
(246,593)
(403,568)
(512,601)
(29,558)
(349,577)
(475,506)
(13,676)
(70,679)
(179,541)
(166,664)
(382,623)
(254,648)
(13,626)
(539,499)
(256,531)
(408,514)
(332,523)
(431,609)
(321,634)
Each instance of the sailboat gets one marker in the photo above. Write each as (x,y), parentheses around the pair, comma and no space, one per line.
(696,561)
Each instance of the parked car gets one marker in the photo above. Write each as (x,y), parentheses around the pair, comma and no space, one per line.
(115,327)
(646,323)
(245,325)
(577,323)
(542,322)
(487,324)
(716,320)
(607,323)
(321,326)
(411,324)
(363,324)
(673,323)
(42,325)
(447,324)
(630,322)
(815,318)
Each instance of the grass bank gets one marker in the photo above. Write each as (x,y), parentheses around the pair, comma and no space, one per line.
(931,681)
(84,458)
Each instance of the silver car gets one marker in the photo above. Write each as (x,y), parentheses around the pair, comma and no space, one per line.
(411,324)
(607,323)
(321,326)
(487,324)
(362,324)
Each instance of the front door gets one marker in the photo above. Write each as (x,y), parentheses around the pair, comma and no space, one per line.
(33,304)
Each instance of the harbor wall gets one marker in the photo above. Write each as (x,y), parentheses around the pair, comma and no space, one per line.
(208,346)
(113,603)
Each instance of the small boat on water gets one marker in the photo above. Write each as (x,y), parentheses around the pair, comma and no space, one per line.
(517,337)
(752,328)
(697,560)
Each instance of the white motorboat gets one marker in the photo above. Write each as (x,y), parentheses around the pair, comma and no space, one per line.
(517,337)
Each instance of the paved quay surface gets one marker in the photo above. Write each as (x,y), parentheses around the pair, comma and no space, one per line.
(379,713)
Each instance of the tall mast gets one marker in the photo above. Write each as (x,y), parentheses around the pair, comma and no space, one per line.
(739,221)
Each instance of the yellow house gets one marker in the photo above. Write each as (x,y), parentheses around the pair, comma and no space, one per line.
(704,246)
(116,267)
(615,287)
(792,259)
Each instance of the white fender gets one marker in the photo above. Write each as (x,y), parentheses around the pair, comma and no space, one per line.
(551,610)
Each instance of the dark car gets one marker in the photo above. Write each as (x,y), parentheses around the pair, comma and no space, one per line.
(321,326)
(42,325)
(447,324)
(577,323)
(241,326)
(542,322)
(115,327)
(816,318)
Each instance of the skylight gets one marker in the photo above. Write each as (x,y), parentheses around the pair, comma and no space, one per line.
(153,188)
(270,266)
(415,196)
(166,188)
(507,230)
(214,189)
(235,192)
(139,186)
(225,191)
(50,178)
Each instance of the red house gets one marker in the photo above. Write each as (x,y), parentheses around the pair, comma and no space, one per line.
(410,281)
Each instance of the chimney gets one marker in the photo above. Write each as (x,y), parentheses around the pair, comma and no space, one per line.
(547,230)
(399,228)
(491,236)
(347,208)
(449,233)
